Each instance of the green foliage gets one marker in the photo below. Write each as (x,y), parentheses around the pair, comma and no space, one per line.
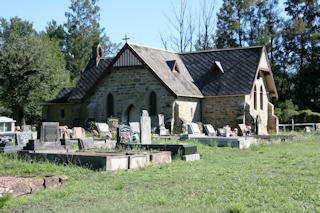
(82,32)
(286,111)
(306,116)
(3,200)
(32,69)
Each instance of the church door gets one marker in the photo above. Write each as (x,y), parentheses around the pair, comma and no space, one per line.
(133,114)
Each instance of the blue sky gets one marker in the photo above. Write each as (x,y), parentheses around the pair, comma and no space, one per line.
(141,20)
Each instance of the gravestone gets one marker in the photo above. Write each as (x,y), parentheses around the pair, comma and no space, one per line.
(210,130)
(145,128)
(162,128)
(50,132)
(193,128)
(124,134)
(135,126)
(86,144)
(78,133)
(308,129)
(26,128)
(103,128)
(113,123)
(258,125)
(23,138)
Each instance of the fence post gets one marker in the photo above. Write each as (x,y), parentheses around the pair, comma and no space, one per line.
(292,122)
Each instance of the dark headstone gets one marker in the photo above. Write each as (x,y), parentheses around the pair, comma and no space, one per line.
(124,134)
(86,144)
(49,132)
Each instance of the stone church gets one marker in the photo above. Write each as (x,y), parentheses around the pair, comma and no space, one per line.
(220,86)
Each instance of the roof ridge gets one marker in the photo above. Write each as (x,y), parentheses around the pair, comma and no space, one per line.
(170,51)
(224,49)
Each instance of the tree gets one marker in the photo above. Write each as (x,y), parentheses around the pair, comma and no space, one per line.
(82,32)
(301,42)
(31,69)
(206,27)
(182,31)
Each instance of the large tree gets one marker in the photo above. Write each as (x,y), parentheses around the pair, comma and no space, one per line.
(302,45)
(82,31)
(32,69)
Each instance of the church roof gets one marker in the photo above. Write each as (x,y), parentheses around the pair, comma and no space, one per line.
(89,77)
(239,70)
(200,74)
(180,81)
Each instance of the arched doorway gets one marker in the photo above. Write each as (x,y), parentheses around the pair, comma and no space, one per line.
(133,114)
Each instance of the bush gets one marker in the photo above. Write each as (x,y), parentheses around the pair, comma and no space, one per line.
(306,116)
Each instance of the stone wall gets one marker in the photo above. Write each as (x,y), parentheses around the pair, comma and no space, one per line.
(131,86)
(223,110)
(273,121)
(54,113)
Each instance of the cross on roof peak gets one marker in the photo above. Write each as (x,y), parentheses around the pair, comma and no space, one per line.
(126,38)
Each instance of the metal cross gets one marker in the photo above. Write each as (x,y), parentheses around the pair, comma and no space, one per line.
(126,38)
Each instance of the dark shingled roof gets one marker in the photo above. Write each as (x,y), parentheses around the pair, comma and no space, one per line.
(89,77)
(180,82)
(197,74)
(239,65)
(62,96)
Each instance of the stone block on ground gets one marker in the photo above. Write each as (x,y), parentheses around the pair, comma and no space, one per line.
(191,157)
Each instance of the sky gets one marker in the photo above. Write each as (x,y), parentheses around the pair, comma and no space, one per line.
(141,20)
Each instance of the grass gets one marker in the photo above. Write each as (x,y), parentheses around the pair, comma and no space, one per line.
(282,177)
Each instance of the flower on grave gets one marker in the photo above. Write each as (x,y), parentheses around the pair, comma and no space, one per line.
(108,135)
(95,132)
(114,132)
(5,139)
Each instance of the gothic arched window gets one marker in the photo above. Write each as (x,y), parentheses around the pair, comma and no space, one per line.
(153,104)
(255,98)
(110,105)
(261,98)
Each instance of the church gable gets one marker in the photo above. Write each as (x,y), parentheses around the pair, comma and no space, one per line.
(263,64)
(127,59)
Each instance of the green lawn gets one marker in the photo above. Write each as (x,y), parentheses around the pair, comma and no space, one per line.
(265,178)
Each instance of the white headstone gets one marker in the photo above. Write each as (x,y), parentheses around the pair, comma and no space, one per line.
(210,130)
(135,126)
(102,127)
(145,128)
(161,120)
(193,128)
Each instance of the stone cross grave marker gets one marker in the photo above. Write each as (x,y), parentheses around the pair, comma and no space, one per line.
(193,128)
(103,128)
(124,134)
(162,128)
(210,130)
(135,126)
(145,128)
(50,132)
(78,133)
